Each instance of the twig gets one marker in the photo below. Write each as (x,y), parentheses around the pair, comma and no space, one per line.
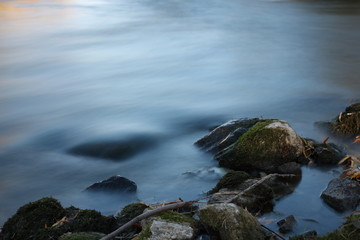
(184,204)
(276,234)
(258,183)
(145,215)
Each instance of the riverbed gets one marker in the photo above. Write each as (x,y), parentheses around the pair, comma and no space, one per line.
(78,71)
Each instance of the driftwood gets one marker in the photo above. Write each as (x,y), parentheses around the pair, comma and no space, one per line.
(186,204)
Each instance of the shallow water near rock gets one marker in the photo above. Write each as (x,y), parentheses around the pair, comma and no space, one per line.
(76,71)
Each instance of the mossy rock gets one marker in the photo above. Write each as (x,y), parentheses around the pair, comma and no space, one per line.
(231,180)
(82,236)
(130,211)
(265,146)
(348,123)
(91,220)
(230,222)
(31,220)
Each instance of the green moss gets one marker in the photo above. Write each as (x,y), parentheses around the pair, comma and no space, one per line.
(176,217)
(131,211)
(231,180)
(91,220)
(82,236)
(145,233)
(259,144)
(31,220)
(231,222)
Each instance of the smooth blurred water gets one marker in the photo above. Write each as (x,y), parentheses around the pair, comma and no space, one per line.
(76,71)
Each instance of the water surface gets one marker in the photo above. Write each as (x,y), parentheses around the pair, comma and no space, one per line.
(78,71)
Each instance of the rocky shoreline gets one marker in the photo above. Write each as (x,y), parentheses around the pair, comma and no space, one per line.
(264,158)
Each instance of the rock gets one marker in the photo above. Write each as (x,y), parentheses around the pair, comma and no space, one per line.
(226,134)
(342,194)
(82,236)
(230,222)
(91,220)
(324,153)
(289,168)
(346,124)
(168,225)
(30,220)
(287,224)
(115,149)
(265,146)
(231,180)
(256,200)
(129,212)
(162,230)
(116,184)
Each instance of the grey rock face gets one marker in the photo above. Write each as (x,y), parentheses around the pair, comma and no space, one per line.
(342,194)
(163,230)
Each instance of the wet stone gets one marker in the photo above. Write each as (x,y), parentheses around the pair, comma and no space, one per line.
(342,194)
(114,184)
(287,224)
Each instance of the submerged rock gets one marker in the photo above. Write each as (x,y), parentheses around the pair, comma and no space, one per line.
(342,194)
(114,149)
(230,222)
(265,146)
(115,184)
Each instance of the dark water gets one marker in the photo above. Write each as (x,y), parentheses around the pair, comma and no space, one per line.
(79,71)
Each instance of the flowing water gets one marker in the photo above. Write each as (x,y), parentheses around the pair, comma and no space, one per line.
(78,71)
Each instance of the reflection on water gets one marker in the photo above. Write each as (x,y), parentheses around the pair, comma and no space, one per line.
(79,71)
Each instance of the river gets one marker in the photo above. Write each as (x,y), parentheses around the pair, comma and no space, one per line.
(76,71)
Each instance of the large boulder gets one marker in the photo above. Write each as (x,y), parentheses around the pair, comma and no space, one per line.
(230,222)
(265,146)
(342,194)
(115,184)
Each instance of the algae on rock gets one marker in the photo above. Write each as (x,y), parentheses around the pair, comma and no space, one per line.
(265,146)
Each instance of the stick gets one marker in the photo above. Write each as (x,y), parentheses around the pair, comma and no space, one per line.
(276,234)
(145,215)
(184,204)
(258,183)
